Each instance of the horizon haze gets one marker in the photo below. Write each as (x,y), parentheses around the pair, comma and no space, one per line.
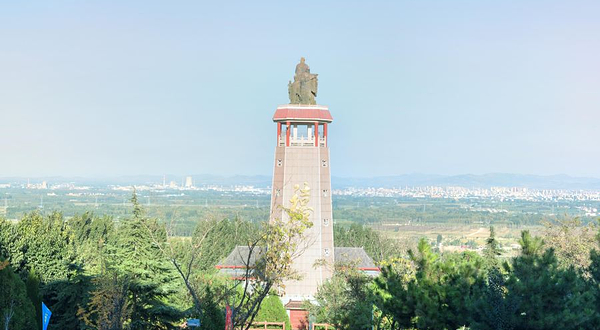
(552,182)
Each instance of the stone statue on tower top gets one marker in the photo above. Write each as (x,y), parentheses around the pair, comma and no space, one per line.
(304,88)
(302,67)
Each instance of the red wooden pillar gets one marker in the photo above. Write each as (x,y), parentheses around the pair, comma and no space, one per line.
(287,134)
(325,133)
(278,133)
(316,133)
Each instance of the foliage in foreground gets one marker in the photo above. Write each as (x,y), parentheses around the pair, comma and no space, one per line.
(16,309)
(345,300)
(534,290)
(94,273)
(272,310)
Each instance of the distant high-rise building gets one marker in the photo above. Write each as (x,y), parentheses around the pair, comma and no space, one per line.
(189,182)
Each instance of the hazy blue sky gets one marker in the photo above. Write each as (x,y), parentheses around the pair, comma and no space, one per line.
(152,87)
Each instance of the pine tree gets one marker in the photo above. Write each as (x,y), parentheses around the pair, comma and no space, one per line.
(91,235)
(43,243)
(491,310)
(439,296)
(33,293)
(65,298)
(16,310)
(151,278)
(492,250)
(394,299)
(544,295)
(213,316)
(108,308)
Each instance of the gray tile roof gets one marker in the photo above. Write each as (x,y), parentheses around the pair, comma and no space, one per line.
(353,255)
(347,255)
(239,256)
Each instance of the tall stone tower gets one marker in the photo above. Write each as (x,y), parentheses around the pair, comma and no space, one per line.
(302,156)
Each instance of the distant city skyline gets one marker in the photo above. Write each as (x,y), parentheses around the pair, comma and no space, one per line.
(462,87)
(486,181)
(499,194)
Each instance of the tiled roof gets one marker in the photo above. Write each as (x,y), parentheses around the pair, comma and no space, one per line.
(294,112)
(294,304)
(353,255)
(238,258)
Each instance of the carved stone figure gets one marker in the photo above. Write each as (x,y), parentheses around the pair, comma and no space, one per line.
(304,88)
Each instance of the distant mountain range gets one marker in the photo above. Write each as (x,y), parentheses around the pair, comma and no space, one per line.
(560,181)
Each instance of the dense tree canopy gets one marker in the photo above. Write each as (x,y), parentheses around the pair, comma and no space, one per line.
(16,309)
(345,300)
(272,310)
(97,273)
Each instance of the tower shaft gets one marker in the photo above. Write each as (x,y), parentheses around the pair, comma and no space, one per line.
(302,156)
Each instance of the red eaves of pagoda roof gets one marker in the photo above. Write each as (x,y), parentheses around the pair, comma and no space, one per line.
(230,267)
(302,114)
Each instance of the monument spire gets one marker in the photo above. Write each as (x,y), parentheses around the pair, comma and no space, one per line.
(302,157)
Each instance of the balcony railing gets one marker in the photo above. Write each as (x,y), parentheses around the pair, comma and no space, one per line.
(302,141)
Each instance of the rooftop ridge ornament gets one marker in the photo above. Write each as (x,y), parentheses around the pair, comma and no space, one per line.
(304,88)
